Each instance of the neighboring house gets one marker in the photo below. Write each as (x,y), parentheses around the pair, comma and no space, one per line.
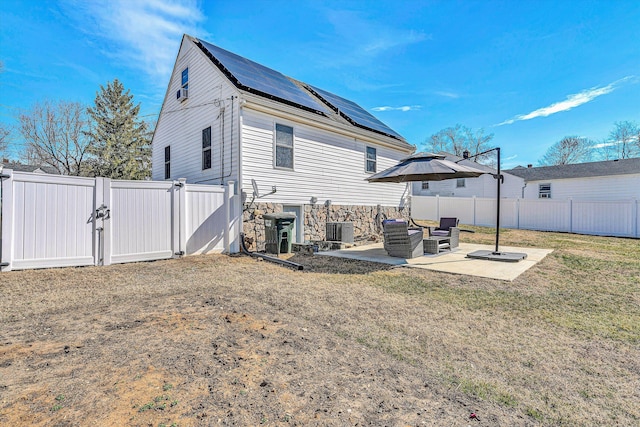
(482,186)
(606,180)
(19,167)
(226,118)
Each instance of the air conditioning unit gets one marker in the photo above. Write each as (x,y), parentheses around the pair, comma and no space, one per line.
(182,94)
(339,232)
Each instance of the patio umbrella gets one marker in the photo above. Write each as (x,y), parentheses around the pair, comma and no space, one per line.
(433,167)
(425,167)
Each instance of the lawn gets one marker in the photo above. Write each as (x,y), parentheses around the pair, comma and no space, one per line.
(219,340)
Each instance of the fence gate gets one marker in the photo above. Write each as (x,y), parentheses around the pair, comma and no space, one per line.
(61,221)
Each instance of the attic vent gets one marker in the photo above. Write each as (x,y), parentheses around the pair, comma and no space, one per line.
(182,94)
(340,232)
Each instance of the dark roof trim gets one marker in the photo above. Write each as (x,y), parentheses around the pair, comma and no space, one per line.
(240,86)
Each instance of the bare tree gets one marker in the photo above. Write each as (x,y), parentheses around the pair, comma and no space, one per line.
(55,135)
(625,137)
(570,149)
(5,133)
(458,139)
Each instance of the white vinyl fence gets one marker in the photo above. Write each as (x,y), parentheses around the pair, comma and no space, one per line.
(59,221)
(606,218)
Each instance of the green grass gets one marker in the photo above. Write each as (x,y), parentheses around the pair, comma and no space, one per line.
(582,300)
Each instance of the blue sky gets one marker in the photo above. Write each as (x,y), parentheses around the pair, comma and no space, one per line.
(530,72)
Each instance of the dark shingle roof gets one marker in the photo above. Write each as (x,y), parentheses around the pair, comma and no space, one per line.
(19,167)
(579,170)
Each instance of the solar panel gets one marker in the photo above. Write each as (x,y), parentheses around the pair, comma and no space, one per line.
(355,114)
(256,78)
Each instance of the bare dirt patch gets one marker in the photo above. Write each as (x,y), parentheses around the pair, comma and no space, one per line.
(219,340)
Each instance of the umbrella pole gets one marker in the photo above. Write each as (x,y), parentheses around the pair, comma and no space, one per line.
(498,178)
(496,255)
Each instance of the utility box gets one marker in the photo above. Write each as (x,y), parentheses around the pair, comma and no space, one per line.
(278,230)
(339,232)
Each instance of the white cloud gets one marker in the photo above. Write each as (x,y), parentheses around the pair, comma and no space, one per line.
(572,101)
(451,95)
(352,40)
(402,108)
(144,33)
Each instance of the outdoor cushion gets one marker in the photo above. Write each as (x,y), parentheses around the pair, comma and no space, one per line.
(447,223)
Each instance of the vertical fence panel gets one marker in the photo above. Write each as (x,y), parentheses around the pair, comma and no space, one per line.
(57,221)
(51,222)
(205,220)
(547,215)
(485,212)
(597,217)
(424,208)
(611,218)
(508,213)
(7,220)
(461,208)
(141,221)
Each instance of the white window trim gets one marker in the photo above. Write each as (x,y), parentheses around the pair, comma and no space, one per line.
(463,181)
(546,194)
(366,160)
(210,148)
(167,162)
(184,85)
(275,146)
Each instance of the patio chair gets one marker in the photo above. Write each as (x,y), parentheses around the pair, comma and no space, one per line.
(448,228)
(401,241)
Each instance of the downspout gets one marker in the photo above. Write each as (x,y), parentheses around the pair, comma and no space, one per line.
(222,148)
(239,209)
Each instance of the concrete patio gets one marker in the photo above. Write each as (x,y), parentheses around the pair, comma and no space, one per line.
(450,261)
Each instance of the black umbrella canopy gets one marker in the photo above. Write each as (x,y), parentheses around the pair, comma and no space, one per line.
(425,167)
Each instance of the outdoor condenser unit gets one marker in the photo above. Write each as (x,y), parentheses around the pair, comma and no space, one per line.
(340,232)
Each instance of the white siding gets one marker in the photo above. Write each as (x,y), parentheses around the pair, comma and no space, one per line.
(327,165)
(616,187)
(483,186)
(181,123)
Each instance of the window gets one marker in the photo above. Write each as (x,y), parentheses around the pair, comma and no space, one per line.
(371,160)
(167,162)
(544,191)
(182,93)
(461,183)
(206,148)
(425,185)
(185,78)
(284,147)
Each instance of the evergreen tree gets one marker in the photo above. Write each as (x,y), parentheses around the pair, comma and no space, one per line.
(120,141)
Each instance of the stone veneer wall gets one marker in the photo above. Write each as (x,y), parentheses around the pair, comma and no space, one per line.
(367,221)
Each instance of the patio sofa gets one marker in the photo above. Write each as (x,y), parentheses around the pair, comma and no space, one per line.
(400,240)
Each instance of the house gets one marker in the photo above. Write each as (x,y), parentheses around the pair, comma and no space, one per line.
(482,186)
(605,180)
(19,167)
(289,146)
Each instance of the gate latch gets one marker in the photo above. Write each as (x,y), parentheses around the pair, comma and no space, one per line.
(103,212)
